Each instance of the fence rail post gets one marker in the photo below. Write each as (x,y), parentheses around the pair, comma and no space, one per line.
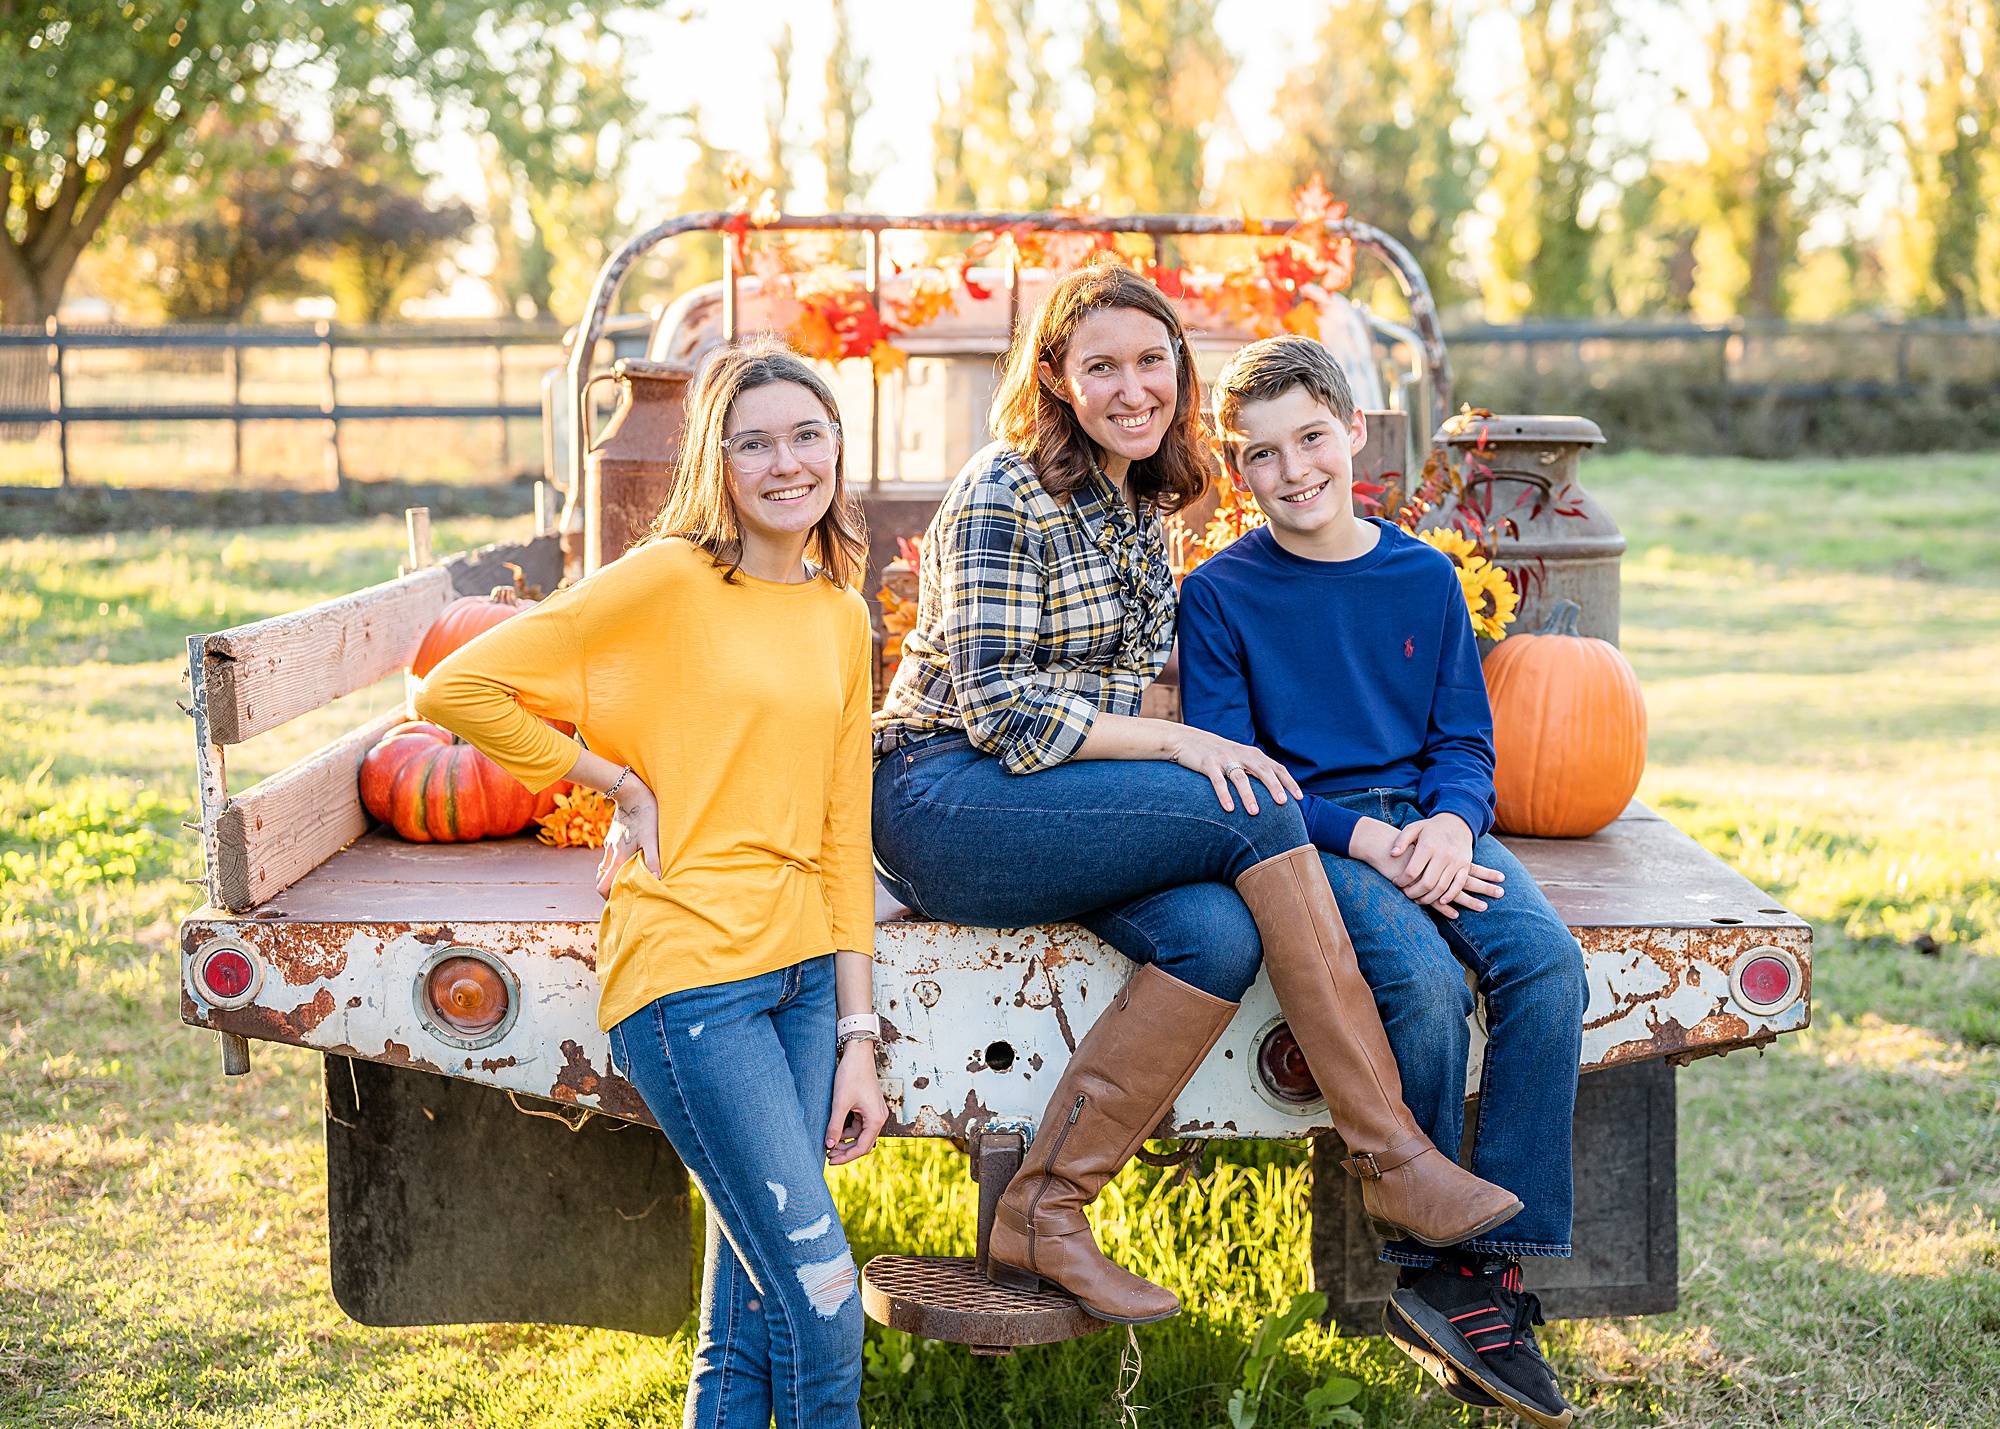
(330,404)
(232,366)
(57,398)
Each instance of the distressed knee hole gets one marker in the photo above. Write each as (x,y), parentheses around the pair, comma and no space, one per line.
(828,1283)
(778,1190)
(812,1232)
(695,1031)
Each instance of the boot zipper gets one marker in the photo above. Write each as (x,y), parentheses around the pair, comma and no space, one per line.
(1049,1172)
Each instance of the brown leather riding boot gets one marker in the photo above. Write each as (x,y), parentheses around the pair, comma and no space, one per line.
(1409,1187)
(1121,1080)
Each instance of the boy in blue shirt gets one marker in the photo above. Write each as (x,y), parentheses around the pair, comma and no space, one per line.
(1344,649)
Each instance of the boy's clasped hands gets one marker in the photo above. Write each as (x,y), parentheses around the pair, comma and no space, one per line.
(1430,860)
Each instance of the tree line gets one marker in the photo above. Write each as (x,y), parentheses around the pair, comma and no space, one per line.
(161,140)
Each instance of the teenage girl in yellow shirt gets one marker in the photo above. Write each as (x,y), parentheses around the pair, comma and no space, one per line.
(721,684)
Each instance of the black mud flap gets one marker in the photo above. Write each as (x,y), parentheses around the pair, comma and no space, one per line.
(1626,1257)
(447,1206)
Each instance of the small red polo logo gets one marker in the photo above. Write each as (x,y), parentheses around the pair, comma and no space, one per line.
(1410,648)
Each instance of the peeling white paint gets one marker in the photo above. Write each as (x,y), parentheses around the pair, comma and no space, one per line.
(812,1232)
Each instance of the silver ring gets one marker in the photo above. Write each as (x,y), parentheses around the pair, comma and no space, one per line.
(1232,769)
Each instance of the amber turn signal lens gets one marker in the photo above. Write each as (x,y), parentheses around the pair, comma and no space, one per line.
(1282,1067)
(466,995)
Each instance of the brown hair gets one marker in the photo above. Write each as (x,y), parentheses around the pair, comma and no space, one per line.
(1271,367)
(700,510)
(1042,426)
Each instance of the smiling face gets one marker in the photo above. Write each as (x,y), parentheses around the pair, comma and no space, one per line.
(1297,458)
(1120,378)
(776,427)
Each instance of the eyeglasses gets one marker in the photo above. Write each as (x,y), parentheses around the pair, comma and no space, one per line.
(754,453)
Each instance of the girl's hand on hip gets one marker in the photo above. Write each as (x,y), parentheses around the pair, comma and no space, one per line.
(635,829)
(858,1109)
(1229,764)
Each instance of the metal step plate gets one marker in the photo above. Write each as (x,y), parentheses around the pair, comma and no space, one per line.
(944,1297)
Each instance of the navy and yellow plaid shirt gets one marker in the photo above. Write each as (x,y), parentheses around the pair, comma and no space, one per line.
(1033,616)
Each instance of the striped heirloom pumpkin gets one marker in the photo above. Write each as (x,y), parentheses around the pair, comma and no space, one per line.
(431,788)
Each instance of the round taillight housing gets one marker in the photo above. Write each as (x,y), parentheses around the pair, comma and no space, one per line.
(467,997)
(1766,980)
(1281,1075)
(225,973)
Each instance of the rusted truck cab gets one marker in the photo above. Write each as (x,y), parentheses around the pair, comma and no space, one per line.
(500,1169)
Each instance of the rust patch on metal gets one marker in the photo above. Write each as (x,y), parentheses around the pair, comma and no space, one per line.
(921,1082)
(1062,1017)
(308,953)
(396,1052)
(270,1025)
(435,937)
(494,1064)
(890,1032)
(614,1094)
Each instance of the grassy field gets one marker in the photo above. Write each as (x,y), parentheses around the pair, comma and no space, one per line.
(1820,645)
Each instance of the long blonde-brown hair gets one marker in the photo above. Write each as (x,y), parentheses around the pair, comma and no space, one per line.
(1042,426)
(700,509)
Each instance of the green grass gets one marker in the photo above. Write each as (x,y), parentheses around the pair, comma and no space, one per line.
(1820,707)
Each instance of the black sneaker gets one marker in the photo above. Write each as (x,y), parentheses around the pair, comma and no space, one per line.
(1450,1379)
(1473,1312)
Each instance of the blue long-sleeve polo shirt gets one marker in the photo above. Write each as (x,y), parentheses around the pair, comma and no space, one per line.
(1360,674)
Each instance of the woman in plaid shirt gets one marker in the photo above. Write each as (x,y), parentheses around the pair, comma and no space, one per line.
(1016,783)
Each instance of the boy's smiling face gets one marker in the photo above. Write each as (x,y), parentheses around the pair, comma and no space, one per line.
(1297,458)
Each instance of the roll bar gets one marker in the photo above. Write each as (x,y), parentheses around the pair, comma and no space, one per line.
(604,290)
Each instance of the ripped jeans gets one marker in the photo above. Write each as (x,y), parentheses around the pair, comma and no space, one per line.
(740,1077)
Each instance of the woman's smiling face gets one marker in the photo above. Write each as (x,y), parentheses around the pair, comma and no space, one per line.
(1121,379)
(782,428)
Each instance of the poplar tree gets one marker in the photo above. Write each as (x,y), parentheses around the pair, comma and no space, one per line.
(845,103)
(1548,160)
(1949,147)
(1374,112)
(997,141)
(1769,120)
(1158,69)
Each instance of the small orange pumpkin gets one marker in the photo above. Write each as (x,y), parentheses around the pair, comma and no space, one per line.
(465,618)
(1569,730)
(432,789)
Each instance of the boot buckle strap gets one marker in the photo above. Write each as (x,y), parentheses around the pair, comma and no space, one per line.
(1362,1165)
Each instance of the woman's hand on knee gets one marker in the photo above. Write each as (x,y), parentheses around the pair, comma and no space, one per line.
(858,1109)
(1228,765)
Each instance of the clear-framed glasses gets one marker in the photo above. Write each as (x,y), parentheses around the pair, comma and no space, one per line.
(754,453)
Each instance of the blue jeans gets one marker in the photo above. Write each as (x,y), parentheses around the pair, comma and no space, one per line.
(1140,852)
(740,1077)
(1531,971)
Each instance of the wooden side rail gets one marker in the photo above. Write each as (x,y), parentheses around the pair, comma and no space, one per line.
(280,829)
(256,677)
(268,673)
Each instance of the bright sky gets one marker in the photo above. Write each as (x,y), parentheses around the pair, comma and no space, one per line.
(721,65)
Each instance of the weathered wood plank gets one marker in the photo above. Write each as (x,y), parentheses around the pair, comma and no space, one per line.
(278,830)
(477,572)
(261,675)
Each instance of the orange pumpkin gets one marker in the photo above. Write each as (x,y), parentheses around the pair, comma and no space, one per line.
(1569,730)
(462,620)
(432,789)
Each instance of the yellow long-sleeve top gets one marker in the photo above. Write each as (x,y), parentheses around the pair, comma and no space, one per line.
(744,706)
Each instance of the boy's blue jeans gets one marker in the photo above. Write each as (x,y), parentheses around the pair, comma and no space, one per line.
(740,1077)
(1531,971)
(1140,852)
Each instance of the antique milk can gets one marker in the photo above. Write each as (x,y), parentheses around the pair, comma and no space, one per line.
(1560,543)
(630,467)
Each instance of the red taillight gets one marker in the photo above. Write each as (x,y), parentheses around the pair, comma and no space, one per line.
(467,995)
(1765,980)
(1281,1066)
(227,973)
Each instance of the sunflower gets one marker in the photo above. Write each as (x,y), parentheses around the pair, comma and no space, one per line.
(1455,544)
(580,819)
(1489,596)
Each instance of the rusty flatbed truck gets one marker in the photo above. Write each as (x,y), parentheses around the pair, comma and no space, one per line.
(504,1172)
